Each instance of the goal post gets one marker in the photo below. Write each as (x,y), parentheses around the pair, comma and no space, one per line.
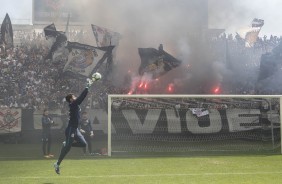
(184,124)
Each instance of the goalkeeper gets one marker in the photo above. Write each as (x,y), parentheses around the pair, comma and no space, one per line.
(73,136)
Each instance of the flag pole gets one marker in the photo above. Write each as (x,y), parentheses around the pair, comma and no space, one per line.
(67,26)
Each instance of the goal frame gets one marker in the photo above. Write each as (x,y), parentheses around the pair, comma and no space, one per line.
(111,96)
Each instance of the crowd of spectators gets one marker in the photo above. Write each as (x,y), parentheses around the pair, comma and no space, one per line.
(244,62)
(30,81)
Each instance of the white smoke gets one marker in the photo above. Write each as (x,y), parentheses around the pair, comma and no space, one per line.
(149,23)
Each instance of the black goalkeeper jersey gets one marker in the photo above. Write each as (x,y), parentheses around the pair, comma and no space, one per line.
(74,113)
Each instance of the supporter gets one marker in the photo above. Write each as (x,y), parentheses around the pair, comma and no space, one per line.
(27,80)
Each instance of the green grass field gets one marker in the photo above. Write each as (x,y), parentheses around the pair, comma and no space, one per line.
(23,164)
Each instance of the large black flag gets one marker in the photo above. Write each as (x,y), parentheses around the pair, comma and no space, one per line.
(156,62)
(268,66)
(7,33)
(57,46)
(59,42)
(270,62)
(85,59)
(50,31)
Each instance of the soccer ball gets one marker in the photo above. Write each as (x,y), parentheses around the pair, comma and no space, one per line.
(96,76)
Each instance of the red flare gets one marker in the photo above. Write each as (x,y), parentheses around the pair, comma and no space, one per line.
(146,85)
(216,90)
(170,88)
(129,93)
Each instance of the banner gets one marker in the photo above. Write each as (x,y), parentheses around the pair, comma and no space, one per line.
(85,59)
(10,120)
(164,121)
(105,37)
(7,32)
(45,11)
(156,62)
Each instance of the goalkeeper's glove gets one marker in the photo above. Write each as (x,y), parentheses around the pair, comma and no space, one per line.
(89,82)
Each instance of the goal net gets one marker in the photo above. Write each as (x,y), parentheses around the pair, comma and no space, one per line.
(187,124)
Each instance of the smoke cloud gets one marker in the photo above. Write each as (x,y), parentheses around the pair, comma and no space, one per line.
(179,26)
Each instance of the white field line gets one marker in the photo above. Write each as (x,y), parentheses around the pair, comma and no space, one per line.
(144,175)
